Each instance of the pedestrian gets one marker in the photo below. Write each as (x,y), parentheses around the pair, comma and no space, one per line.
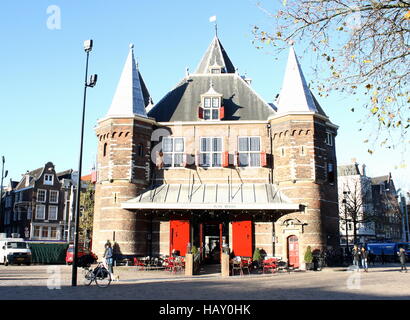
(108,258)
(356,256)
(402,257)
(364,255)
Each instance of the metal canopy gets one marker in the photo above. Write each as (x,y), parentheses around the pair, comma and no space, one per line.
(212,196)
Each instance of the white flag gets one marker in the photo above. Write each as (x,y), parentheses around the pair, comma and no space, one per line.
(212,19)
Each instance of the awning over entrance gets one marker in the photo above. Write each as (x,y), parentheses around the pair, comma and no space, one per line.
(212,196)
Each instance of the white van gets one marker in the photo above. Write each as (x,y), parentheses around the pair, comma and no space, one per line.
(14,251)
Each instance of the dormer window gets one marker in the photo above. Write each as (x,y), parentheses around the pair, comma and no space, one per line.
(216,70)
(211,108)
(211,105)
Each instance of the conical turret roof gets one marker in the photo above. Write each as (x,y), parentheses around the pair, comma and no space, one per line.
(131,96)
(295,95)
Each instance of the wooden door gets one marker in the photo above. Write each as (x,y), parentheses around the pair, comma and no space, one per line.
(293,251)
(179,236)
(242,238)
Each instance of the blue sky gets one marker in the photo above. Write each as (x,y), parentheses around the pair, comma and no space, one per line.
(42,70)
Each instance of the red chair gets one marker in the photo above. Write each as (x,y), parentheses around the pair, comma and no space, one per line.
(246,263)
(139,263)
(269,265)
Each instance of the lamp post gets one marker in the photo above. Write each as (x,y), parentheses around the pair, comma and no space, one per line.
(1,186)
(88,45)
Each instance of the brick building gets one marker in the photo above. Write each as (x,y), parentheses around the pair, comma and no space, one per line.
(212,163)
(38,207)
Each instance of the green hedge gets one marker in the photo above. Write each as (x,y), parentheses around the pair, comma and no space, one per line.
(48,253)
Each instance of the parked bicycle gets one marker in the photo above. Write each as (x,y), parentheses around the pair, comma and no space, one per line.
(99,274)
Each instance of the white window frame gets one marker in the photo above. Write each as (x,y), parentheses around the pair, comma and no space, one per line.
(173,153)
(211,152)
(44,211)
(54,217)
(45,195)
(48,182)
(39,232)
(249,152)
(50,232)
(29,213)
(50,197)
(212,107)
(329,138)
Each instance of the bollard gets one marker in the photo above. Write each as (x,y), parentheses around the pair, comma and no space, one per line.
(189,264)
(225,265)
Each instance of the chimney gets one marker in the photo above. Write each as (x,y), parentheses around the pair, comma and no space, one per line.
(363,170)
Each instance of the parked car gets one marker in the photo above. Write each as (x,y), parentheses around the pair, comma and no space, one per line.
(14,251)
(82,252)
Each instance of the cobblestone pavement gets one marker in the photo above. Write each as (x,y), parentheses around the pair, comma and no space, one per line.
(33,282)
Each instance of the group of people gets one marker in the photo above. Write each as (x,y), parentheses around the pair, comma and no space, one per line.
(361,254)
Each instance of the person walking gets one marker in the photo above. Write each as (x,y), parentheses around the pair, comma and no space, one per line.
(356,256)
(364,255)
(402,257)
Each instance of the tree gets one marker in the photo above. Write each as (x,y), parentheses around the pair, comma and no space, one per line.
(87,211)
(357,209)
(361,46)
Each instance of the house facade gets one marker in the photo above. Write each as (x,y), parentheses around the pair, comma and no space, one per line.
(38,206)
(212,164)
(355,205)
(369,205)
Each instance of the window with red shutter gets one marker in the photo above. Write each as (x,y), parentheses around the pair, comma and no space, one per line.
(221,112)
(225,159)
(263,159)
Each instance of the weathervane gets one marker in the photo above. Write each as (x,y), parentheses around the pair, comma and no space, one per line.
(213,19)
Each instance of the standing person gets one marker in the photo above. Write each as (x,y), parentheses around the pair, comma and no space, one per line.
(356,256)
(402,257)
(108,258)
(364,255)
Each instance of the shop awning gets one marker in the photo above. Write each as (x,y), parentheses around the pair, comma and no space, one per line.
(212,196)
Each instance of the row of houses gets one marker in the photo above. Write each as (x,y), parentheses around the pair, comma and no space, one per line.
(40,206)
(369,207)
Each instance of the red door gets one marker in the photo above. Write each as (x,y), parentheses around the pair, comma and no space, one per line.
(179,236)
(242,238)
(293,251)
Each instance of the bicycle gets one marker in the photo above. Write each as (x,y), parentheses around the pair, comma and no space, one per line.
(99,274)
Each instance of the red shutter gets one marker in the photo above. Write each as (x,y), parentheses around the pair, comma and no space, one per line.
(263,159)
(200,113)
(225,159)
(184,160)
(221,112)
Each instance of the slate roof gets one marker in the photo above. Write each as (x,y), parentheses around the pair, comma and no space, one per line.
(240,101)
(379,180)
(131,96)
(215,55)
(34,175)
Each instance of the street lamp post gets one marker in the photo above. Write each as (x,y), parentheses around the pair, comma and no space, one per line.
(88,45)
(1,186)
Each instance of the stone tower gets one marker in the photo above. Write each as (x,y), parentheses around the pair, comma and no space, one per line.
(304,163)
(123,165)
